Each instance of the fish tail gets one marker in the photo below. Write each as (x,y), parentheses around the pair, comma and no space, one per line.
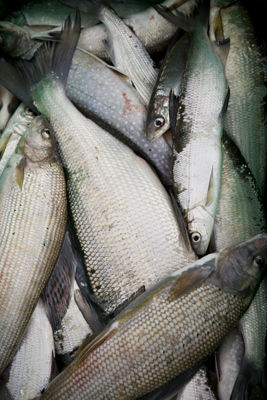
(249,376)
(52,60)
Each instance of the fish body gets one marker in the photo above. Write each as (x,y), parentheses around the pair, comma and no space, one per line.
(240,215)
(123,216)
(31,367)
(246,73)
(8,104)
(197,178)
(168,330)
(32,224)
(127,52)
(149,26)
(15,129)
(197,388)
(106,98)
(229,358)
(169,78)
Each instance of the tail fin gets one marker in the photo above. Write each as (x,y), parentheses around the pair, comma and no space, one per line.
(52,59)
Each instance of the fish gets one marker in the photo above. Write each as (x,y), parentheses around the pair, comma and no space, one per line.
(33,214)
(8,104)
(31,368)
(246,73)
(169,79)
(197,178)
(167,330)
(198,388)
(123,216)
(72,331)
(15,129)
(240,215)
(229,357)
(126,51)
(103,95)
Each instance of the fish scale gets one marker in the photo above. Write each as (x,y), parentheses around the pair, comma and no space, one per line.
(32,223)
(115,199)
(144,349)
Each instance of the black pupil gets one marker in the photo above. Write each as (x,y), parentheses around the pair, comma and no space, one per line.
(259,260)
(158,122)
(195,238)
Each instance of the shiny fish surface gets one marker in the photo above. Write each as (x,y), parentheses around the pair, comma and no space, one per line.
(106,98)
(166,331)
(240,215)
(198,388)
(229,359)
(32,224)
(8,104)
(31,367)
(169,78)
(122,214)
(246,73)
(197,178)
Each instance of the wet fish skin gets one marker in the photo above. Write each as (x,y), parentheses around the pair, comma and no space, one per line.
(229,359)
(127,52)
(197,178)
(169,78)
(240,215)
(8,104)
(198,388)
(32,224)
(31,367)
(246,72)
(115,106)
(15,129)
(133,347)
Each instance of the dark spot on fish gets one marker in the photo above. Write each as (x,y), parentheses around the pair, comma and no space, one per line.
(13,233)
(92,271)
(98,287)
(151,18)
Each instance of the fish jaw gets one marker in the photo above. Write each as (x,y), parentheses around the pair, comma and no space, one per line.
(200,225)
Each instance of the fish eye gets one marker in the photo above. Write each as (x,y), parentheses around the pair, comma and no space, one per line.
(258,260)
(159,121)
(195,237)
(45,133)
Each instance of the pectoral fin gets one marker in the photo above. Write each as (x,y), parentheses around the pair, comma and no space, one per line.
(20,172)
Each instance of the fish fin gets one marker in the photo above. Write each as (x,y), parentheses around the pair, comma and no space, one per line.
(87,311)
(93,342)
(225,104)
(249,376)
(110,50)
(210,191)
(20,172)
(51,59)
(57,292)
(173,110)
(174,387)
(217,365)
(180,219)
(178,19)
(3,143)
(189,280)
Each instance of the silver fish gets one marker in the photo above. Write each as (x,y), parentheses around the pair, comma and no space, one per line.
(8,104)
(197,178)
(198,388)
(240,215)
(32,225)
(122,214)
(166,331)
(31,367)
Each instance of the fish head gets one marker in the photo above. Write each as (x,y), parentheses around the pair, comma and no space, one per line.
(199,225)
(242,267)
(39,143)
(158,118)
(15,41)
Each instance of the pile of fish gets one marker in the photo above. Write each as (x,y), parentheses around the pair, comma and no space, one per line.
(133,156)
